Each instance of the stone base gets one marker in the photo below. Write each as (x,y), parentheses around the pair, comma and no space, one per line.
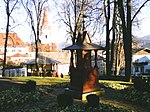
(82,96)
(98,93)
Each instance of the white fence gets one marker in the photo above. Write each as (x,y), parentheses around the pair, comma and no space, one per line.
(15,72)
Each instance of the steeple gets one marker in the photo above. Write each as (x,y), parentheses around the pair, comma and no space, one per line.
(45,29)
(45,21)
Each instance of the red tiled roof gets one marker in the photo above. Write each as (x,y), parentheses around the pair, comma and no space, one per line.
(13,40)
(20,55)
(43,47)
(142,51)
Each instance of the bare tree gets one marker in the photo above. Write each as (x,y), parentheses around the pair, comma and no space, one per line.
(10,6)
(34,9)
(127,20)
(72,14)
(114,31)
(107,17)
(122,20)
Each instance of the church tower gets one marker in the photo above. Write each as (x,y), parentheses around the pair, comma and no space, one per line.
(45,35)
(45,29)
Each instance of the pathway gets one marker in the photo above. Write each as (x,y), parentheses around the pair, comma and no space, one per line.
(6,84)
(110,98)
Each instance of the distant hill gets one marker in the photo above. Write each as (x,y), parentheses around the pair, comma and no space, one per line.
(144,41)
(61,45)
(147,37)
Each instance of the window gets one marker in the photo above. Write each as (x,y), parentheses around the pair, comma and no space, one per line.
(136,69)
(46,36)
(13,50)
(147,70)
(19,51)
(142,69)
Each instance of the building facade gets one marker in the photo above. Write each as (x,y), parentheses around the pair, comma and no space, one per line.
(14,45)
(141,62)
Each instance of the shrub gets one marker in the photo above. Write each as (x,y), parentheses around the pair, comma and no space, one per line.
(141,85)
(13,98)
(64,99)
(24,88)
(29,86)
(92,100)
(132,95)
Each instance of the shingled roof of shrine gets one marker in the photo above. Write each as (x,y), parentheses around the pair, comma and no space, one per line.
(85,46)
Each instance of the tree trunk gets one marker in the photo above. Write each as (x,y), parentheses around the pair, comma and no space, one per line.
(107,16)
(113,40)
(37,41)
(119,56)
(112,53)
(7,33)
(36,58)
(127,38)
(129,43)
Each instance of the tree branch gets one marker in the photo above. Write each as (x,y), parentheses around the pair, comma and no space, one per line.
(139,10)
(13,6)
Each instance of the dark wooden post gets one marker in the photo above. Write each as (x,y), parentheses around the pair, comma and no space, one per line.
(71,59)
(95,59)
(27,70)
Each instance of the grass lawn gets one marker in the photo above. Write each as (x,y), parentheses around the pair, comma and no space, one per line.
(54,80)
(40,80)
(117,85)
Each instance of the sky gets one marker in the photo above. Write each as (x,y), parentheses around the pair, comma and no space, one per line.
(23,30)
(58,33)
(144,17)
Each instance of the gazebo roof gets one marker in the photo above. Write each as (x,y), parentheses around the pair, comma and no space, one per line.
(85,46)
(45,60)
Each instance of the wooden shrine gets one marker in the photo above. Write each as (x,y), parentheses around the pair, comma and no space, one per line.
(83,76)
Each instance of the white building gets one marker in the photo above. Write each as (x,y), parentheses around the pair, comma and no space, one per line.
(20,58)
(15,44)
(141,62)
(100,63)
